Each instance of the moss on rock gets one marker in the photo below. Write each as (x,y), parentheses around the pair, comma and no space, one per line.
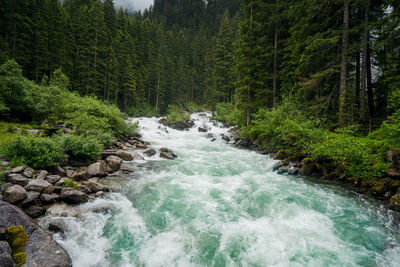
(17,238)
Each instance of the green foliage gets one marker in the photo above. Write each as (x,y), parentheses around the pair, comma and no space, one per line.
(37,152)
(194,107)
(230,114)
(177,114)
(144,110)
(85,149)
(69,183)
(17,238)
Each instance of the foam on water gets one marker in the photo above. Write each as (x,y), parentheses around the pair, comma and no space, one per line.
(216,205)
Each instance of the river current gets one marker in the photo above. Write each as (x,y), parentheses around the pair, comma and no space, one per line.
(216,205)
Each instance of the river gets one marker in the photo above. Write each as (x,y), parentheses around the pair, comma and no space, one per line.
(216,205)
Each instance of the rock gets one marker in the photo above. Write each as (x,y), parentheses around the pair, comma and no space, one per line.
(136,156)
(114,162)
(281,154)
(18,179)
(124,155)
(70,173)
(167,155)
(49,198)
(81,176)
(34,132)
(394,157)
(225,138)
(126,170)
(18,169)
(278,165)
(151,152)
(202,129)
(293,170)
(34,211)
(4,163)
(74,196)
(394,202)
(85,189)
(57,226)
(306,161)
(4,246)
(28,173)
(283,169)
(180,125)
(97,169)
(211,136)
(31,198)
(140,145)
(41,186)
(61,182)
(14,194)
(6,259)
(53,178)
(3,233)
(42,174)
(41,249)
(392,173)
(5,186)
(96,187)
(99,193)
(59,171)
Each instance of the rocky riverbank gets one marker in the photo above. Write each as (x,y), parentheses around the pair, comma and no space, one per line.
(28,194)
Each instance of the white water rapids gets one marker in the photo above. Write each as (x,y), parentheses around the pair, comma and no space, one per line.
(216,205)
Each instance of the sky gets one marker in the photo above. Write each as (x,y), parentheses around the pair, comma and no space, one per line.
(133,4)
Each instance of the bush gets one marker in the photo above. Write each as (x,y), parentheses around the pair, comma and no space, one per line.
(230,114)
(177,114)
(37,152)
(85,149)
(144,110)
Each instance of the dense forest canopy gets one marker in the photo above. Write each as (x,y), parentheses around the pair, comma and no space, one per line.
(339,59)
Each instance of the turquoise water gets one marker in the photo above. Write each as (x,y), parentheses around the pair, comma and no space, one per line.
(220,206)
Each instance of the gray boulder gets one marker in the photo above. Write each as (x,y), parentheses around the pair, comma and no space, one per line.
(18,179)
(96,187)
(53,178)
(34,211)
(114,162)
(124,155)
(74,196)
(136,156)
(151,152)
(42,174)
(71,173)
(41,249)
(18,169)
(49,198)
(6,259)
(28,173)
(14,194)
(202,129)
(167,153)
(81,176)
(97,169)
(41,186)
(30,199)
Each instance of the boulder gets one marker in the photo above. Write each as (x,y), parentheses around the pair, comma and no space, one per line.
(202,129)
(18,169)
(97,169)
(85,189)
(394,202)
(6,259)
(41,186)
(394,157)
(96,187)
(124,155)
(114,162)
(99,193)
(73,196)
(167,155)
(136,156)
(4,163)
(3,233)
(70,173)
(225,138)
(293,170)
(31,198)
(392,173)
(151,152)
(42,174)
(278,165)
(283,169)
(28,173)
(281,154)
(57,226)
(41,249)
(49,198)
(14,194)
(34,211)
(53,178)
(59,171)
(140,145)
(5,186)
(18,179)
(81,176)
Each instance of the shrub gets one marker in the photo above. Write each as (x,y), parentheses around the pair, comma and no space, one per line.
(37,152)
(177,114)
(229,113)
(143,110)
(85,149)
(69,183)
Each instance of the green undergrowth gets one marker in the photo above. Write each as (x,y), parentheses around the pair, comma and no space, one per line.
(72,127)
(177,114)
(287,127)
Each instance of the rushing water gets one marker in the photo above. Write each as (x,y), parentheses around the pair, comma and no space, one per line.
(216,205)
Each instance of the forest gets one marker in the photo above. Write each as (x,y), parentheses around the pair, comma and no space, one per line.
(298,74)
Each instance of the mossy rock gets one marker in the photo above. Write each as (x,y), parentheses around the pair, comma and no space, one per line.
(394,202)
(17,238)
(281,154)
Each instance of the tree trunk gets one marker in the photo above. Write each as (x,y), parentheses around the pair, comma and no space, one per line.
(358,63)
(364,66)
(343,70)
(158,90)
(275,57)
(371,107)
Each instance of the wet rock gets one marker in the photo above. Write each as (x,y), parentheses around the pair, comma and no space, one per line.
(57,226)
(225,138)
(293,170)
(53,178)
(278,165)
(140,145)
(180,125)
(97,169)
(73,196)
(167,153)
(151,152)
(126,170)
(42,174)
(211,136)
(394,202)
(96,186)
(41,186)
(114,162)
(124,155)
(28,173)
(14,194)
(18,179)
(283,169)
(41,249)
(34,211)
(18,169)
(136,156)
(99,193)
(202,129)
(281,154)
(49,198)
(31,198)
(81,176)
(85,189)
